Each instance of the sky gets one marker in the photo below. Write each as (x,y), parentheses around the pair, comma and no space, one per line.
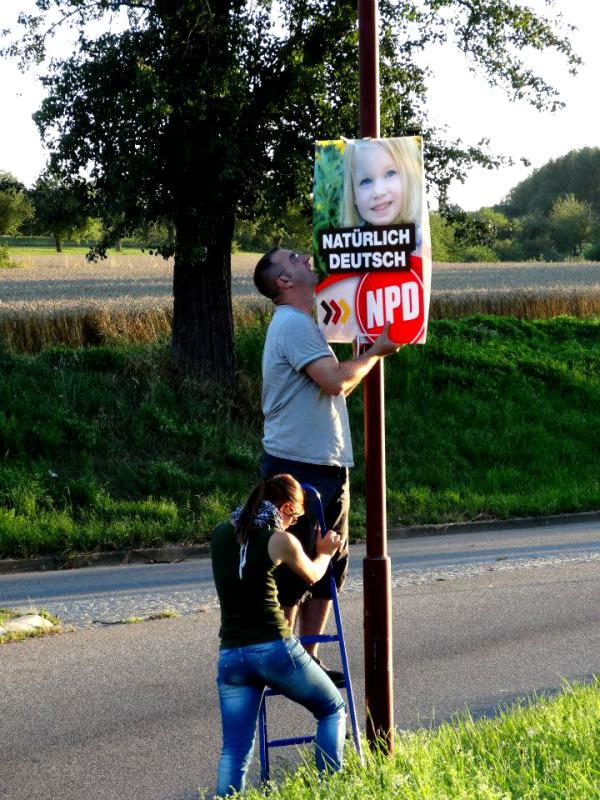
(464,102)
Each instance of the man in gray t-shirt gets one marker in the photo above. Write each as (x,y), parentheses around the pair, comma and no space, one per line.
(306,429)
(301,420)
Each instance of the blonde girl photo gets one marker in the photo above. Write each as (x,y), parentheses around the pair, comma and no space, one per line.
(382,182)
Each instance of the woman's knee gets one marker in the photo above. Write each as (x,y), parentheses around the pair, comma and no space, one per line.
(334,708)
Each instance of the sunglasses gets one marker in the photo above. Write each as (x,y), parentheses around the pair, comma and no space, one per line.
(295,515)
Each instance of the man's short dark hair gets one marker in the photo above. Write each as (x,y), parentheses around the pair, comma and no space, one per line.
(263,278)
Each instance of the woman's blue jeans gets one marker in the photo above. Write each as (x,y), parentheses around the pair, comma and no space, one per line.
(285,666)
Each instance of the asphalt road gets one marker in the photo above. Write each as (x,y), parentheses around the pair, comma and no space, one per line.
(415,559)
(130,712)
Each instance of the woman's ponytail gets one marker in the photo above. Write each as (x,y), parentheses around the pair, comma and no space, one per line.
(278,489)
(248,512)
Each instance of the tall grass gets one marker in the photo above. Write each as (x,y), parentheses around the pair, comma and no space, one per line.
(548,749)
(30,333)
(104,447)
(522,304)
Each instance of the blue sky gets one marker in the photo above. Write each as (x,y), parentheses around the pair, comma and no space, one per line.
(463,101)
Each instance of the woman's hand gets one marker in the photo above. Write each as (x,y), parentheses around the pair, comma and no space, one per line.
(329,544)
(285,548)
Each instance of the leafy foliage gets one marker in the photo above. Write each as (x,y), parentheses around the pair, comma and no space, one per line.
(553,215)
(292,231)
(328,187)
(15,208)
(571,224)
(577,173)
(9,182)
(62,209)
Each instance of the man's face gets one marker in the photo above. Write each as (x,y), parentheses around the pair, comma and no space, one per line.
(294,266)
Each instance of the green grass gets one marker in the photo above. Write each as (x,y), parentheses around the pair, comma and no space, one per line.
(495,418)
(548,749)
(168,613)
(104,448)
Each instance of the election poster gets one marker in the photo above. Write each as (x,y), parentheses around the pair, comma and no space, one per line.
(371,241)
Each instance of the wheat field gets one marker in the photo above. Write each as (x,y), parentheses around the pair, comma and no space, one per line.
(62,298)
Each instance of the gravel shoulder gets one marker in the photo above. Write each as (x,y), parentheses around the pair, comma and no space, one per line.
(98,596)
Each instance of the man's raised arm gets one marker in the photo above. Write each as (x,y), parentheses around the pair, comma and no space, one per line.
(342,377)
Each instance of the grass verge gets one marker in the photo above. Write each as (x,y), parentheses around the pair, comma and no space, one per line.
(105,448)
(547,749)
(8,614)
(167,613)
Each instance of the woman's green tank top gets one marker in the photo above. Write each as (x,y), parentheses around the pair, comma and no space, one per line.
(250,610)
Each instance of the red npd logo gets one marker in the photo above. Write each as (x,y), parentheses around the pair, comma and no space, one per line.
(396,297)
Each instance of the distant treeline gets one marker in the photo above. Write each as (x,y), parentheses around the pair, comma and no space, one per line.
(66,244)
(554,215)
(61,213)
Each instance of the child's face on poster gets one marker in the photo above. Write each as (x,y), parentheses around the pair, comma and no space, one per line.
(377,186)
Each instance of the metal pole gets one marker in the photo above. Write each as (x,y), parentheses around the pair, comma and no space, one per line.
(376,565)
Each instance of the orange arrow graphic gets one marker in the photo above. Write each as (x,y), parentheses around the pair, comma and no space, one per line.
(346,309)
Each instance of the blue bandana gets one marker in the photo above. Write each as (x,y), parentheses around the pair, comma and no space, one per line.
(267,516)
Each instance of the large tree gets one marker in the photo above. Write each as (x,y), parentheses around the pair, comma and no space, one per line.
(62,209)
(195,111)
(571,224)
(15,208)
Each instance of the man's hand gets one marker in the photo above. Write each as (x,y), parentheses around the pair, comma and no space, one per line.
(329,544)
(337,378)
(383,345)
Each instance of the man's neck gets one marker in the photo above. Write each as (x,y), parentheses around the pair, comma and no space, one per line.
(304,304)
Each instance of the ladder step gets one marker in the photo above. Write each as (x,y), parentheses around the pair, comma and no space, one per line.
(274,693)
(286,742)
(320,637)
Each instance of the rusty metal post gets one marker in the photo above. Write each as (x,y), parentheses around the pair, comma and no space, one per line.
(376,566)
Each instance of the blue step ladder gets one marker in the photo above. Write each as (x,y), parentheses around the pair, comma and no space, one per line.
(265,744)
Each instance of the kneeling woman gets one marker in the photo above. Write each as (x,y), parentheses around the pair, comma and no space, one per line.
(257,647)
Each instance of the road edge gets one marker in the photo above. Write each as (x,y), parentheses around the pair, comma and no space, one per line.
(173,553)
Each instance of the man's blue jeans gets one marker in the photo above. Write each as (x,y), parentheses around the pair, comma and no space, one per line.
(285,666)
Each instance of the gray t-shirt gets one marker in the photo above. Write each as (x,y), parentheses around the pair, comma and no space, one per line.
(302,422)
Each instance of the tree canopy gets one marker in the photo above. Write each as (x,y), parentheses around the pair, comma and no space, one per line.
(577,173)
(62,209)
(15,207)
(8,181)
(571,224)
(194,113)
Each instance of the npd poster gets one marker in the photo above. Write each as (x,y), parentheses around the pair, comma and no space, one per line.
(371,242)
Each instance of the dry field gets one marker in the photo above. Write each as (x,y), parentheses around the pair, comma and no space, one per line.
(64,298)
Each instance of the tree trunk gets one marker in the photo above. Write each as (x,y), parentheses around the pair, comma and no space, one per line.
(170,233)
(202,342)
(58,243)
